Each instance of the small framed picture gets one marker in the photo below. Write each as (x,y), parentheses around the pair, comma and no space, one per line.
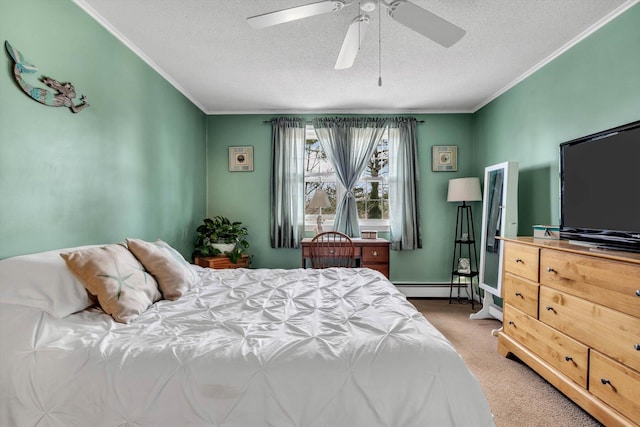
(464,265)
(444,158)
(241,159)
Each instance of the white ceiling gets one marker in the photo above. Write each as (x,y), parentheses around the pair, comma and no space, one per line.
(206,49)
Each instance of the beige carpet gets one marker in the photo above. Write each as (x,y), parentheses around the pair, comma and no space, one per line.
(518,397)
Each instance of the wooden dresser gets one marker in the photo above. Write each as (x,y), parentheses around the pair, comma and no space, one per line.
(573,315)
(370,253)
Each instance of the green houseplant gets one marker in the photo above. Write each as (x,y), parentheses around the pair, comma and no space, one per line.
(219,235)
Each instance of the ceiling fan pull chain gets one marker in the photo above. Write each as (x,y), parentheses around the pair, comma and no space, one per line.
(359,27)
(379,47)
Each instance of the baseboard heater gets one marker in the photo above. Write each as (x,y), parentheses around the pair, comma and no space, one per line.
(430,290)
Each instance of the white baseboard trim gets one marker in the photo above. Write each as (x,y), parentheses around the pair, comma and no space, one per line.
(431,290)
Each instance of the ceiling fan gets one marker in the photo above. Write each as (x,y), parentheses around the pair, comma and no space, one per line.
(405,12)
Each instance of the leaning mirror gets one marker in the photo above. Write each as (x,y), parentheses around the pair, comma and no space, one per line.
(499,219)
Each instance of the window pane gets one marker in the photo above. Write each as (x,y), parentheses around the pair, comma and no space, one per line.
(372,199)
(315,159)
(309,191)
(379,163)
(371,193)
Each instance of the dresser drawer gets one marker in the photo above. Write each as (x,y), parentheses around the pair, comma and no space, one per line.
(521,294)
(606,330)
(614,284)
(375,254)
(615,384)
(521,260)
(562,352)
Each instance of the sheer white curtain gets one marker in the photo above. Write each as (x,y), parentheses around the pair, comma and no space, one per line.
(404,206)
(287,182)
(349,144)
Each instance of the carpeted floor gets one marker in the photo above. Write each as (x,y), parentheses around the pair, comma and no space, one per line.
(518,397)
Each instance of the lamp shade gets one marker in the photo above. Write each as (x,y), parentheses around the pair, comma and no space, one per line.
(320,199)
(464,190)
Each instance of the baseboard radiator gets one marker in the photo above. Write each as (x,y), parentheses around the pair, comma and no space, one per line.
(433,290)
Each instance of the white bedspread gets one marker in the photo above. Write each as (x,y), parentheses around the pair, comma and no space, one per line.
(335,347)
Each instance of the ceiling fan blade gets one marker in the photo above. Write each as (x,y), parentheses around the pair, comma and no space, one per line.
(426,23)
(352,42)
(294,13)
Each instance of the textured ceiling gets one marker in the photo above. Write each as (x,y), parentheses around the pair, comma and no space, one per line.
(206,49)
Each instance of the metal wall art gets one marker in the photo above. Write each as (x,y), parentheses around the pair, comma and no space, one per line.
(66,91)
(241,159)
(444,158)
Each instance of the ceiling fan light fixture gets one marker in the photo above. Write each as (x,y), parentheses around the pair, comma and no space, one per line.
(405,12)
(368,5)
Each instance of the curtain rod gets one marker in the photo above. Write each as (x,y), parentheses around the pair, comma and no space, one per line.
(309,122)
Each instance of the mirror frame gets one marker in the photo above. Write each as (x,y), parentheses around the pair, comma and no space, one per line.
(508,228)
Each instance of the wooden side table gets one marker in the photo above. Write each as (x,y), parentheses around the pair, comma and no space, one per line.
(221,262)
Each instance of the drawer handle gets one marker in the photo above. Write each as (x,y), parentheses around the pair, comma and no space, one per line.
(512,323)
(550,270)
(519,294)
(374,253)
(605,381)
(519,260)
(637,347)
(568,358)
(638,293)
(549,308)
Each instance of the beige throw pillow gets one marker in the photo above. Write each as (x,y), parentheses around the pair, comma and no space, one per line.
(170,269)
(124,289)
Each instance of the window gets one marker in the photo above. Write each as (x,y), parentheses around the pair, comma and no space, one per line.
(371,192)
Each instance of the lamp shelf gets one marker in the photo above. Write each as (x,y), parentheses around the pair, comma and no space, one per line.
(459,274)
(464,190)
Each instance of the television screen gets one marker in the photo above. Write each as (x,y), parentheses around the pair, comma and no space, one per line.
(600,187)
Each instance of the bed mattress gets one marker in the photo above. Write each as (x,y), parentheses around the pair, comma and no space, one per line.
(260,347)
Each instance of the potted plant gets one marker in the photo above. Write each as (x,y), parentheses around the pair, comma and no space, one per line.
(218,235)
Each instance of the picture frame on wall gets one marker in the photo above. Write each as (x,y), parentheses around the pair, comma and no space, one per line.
(444,158)
(241,159)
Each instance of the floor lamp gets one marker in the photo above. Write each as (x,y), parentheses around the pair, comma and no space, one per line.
(465,256)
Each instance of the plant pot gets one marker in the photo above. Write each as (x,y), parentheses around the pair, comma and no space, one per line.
(224,247)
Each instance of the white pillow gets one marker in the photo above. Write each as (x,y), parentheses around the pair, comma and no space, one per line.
(43,281)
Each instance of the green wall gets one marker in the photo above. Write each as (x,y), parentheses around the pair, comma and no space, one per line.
(244,196)
(592,87)
(130,165)
(136,163)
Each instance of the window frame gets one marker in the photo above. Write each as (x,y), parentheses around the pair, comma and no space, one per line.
(381,225)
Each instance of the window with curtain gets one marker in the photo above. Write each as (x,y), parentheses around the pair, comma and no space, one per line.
(366,167)
(371,191)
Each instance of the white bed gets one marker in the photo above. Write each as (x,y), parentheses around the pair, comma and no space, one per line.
(334,347)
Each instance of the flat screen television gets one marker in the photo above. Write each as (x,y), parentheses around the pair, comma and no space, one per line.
(600,189)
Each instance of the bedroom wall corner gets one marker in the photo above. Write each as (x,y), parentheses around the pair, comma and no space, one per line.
(591,87)
(244,196)
(130,165)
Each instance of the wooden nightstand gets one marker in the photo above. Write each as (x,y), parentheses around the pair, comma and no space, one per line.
(221,262)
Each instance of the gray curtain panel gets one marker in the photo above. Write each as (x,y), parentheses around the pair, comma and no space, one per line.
(349,144)
(287,182)
(404,213)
